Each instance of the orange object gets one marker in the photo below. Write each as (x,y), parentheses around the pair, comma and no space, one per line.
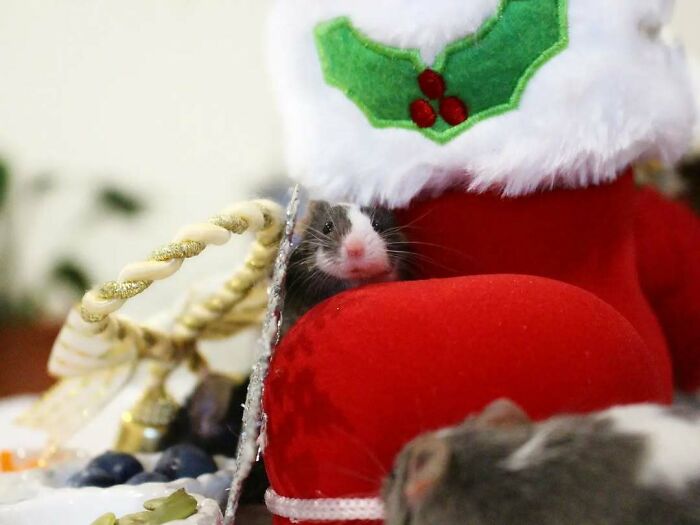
(7,461)
(10,463)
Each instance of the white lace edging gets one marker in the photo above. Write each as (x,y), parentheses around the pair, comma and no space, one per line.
(330,509)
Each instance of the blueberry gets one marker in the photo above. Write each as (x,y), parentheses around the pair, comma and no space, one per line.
(118,465)
(147,477)
(91,476)
(185,461)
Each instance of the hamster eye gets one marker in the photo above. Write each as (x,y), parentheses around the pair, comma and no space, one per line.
(328,228)
(376,225)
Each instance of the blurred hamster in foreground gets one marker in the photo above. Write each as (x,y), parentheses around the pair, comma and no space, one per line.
(637,464)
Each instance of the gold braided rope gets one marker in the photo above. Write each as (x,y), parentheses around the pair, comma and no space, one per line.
(97,350)
(98,307)
(178,251)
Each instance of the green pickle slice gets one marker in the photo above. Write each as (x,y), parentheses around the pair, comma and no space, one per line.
(106,519)
(178,506)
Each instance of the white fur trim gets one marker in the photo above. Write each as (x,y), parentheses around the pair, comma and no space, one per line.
(673,444)
(617,94)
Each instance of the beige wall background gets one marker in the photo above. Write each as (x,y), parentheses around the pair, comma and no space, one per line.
(685,23)
(167,98)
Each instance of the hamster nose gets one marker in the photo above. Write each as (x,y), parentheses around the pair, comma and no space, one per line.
(354,249)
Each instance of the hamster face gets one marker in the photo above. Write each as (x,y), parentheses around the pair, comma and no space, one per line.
(340,247)
(352,243)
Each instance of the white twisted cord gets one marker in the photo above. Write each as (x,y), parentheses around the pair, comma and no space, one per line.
(97,351)
(209,316)
(93,338)
(328,509)
(253,216)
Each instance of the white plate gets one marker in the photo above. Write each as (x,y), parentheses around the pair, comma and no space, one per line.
(24,484)
(83,506)
(16,487)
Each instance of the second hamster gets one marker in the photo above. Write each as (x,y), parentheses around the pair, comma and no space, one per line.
(638,464)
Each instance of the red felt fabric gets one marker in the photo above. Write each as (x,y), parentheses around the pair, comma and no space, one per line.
(584,237)
(368,370)
(536,298)
(668,253)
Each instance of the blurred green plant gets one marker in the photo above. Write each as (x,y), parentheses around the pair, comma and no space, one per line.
(118,202)
(22,306)
(4,183)
(71,274)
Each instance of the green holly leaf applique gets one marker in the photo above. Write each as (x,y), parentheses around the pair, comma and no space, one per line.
(479,76)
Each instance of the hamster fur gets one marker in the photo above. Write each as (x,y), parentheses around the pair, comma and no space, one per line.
(636,464)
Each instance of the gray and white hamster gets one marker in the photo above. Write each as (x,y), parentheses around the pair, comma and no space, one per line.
(342,246)
(636,464)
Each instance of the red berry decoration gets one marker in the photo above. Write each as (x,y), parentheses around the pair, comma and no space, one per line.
(423,114)
(453,111)
(432,84)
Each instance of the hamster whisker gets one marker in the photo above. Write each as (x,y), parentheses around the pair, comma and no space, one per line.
(314,277)
(367,451)
(318,240)
(412,259)
(309,259)
(317,233)
(417,219)
(318,280)
(446,249)
(430,244)
(354,474)
(394,229)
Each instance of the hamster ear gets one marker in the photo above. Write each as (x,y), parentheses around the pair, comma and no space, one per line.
(319,207)
(428,460)
(503,413)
